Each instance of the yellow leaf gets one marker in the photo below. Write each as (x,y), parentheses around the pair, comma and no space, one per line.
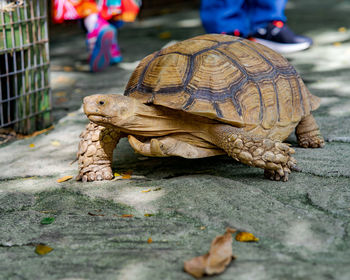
(27,178)
(127,174)
(202,227)
(149,240)
(55,143)
(116,174)
(165,35)
(337,44)
(31,145)
(144,191)
(127,216)
(148,215)
(63,179)
(246,237)
(342,29)
(43,249)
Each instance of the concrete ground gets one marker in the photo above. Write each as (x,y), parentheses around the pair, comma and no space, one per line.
(303,224)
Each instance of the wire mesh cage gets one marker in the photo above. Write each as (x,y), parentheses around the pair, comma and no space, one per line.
(25,95)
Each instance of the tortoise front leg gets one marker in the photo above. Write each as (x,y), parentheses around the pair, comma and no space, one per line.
(95,152)
(273,156)
(308,133)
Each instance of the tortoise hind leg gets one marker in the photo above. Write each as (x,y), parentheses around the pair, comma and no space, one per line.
(171,146)
(308,133)
(273,156)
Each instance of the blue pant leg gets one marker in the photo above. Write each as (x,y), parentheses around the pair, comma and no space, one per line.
(262,12)
(220,16)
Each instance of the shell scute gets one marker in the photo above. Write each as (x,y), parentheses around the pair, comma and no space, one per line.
(245,58)
(188,47)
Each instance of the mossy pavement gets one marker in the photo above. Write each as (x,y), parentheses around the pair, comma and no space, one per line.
(303,224)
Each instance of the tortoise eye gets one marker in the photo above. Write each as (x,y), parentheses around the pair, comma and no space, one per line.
(101,102)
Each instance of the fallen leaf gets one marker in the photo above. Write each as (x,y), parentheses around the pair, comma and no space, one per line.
(63,179)
(43,249)
(61,100)
(27,178)
(148,215)
(337,44)
(157,189)
(165,35)
(149,240)
(68,68)
(127,175)
(73,114)
(55,143)
(21,136)
(116,174)
(92,214)
(342,29)
(214,262)
(144,191)
(31,145)
(246,237)
(60,94)
(47,220)
(202,227)
(127,216)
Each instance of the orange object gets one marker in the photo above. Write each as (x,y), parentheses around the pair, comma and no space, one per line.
(63,179)
(126,10)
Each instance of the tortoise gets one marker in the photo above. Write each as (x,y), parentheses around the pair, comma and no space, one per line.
(209,95)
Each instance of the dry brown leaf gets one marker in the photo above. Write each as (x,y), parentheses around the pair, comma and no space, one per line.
(127,175)
(21,136)
(246,237)
(165,35)
(127,216)
(92,214)
(214,262)
(63,179)
(68,68)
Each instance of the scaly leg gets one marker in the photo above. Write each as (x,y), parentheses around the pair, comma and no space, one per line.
(95,152)
(308,133)
(273,156)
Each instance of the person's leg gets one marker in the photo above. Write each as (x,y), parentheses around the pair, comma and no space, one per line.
(268,27)
(262,12)
(225,16)
(101,38)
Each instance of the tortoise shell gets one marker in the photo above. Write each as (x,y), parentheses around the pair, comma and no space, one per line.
(226,78)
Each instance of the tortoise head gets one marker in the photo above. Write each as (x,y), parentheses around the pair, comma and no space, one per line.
(107,109)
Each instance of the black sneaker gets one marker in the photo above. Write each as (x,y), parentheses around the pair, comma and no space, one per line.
(279,37)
